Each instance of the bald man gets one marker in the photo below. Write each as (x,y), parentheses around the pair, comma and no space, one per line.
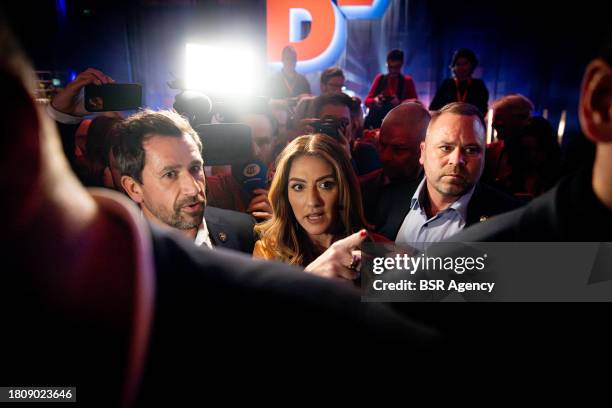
(449,197)
(401,134)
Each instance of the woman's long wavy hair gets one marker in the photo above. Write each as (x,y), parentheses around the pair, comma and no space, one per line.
(282,234)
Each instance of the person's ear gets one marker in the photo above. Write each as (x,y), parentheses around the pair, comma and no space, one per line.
(421,158)
(595,110)
(132,188)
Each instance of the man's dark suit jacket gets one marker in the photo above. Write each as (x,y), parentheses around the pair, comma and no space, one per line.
(486,202)
(383,203)
(230,229)
(230,315)
(570,211)
(221,323)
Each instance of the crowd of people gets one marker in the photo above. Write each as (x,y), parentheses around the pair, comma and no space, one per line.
(334,177)
(402,173)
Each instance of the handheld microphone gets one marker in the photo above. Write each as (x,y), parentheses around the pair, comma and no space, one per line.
(251,175)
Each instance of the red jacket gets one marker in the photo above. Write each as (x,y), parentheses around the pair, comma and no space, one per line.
(391,88)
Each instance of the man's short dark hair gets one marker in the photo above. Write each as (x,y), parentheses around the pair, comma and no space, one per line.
(467,54)
(336,99)
(329,73)
(395,55)
(133,131)
(459,108)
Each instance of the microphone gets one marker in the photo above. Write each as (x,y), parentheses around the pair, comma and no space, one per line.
(251,175)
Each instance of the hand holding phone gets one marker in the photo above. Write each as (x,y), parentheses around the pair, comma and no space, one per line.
(70,99)
(113,97)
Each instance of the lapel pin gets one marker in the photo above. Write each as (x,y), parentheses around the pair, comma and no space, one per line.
(222,236)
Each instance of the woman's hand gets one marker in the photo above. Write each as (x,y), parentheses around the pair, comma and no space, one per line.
(341,259)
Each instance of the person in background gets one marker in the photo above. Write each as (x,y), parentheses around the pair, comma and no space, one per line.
(536,162)
(342,108)
(97,148)
(331,82)
(288,83)
(401,134)
(356,119)
(462,87)
(68,110)
(363,151)
(337,107)
(279,109)
(388,90)
(510,115)
(227,190)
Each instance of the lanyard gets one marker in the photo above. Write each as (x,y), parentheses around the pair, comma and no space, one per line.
(289,87)
(462,97)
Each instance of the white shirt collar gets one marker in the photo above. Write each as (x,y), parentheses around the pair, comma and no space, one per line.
(203,236)
(460,205)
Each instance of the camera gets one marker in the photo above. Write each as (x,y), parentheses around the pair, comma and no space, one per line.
(386,99)
(329,125)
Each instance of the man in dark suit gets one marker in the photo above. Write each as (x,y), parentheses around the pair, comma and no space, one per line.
(383,191)
(449,197)
(159,156)
(220,228)
(579,207)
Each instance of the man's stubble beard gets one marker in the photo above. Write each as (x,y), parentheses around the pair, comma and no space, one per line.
(177,219)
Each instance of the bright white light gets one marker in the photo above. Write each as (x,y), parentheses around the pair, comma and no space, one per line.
(228,70)
(561,126)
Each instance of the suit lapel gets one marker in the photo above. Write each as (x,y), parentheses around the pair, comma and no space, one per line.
(219,234)
(479,208)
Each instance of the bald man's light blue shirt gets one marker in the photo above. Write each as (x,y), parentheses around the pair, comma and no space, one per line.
(417,229)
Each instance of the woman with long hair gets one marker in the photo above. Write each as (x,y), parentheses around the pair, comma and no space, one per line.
(316,201)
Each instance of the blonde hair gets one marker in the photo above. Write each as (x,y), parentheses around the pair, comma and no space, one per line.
(282,235)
